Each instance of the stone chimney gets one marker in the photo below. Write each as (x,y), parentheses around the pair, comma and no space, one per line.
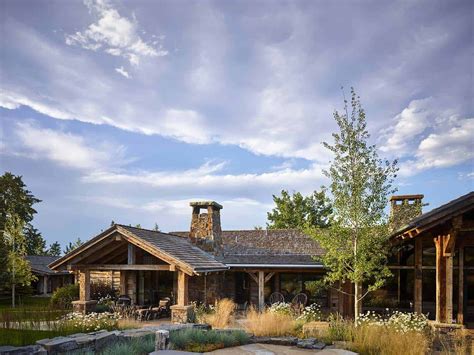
(206,230)
(404,208)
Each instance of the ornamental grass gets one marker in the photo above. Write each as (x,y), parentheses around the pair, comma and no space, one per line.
(220,316)
(269,323)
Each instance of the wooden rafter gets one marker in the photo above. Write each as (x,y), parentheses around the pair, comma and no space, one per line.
(253,276)
(269,276)
(107,267)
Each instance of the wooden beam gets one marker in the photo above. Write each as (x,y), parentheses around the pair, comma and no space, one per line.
(129,237)
(418,294)
(261,287)
(131,259)
(112,257)
(253,276)
(182,289)
(84,285)
(269,276)
(103,243)
(123,282)
(106,267)
(104,254)
(449,290)
(460,319)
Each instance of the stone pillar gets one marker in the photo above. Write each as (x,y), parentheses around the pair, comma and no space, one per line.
(181,312)
(85,304)
(162,340)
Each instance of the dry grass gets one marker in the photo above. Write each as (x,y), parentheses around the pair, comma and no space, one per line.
(269,324)
(457,343)
(374,340)
(223,315)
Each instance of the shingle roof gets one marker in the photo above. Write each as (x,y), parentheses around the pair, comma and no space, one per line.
(440,214)
(272,247)
(178,248)
(39,264)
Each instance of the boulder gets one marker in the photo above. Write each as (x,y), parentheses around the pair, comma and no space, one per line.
(310,343)
(103,340)
(23,350)
(60,345)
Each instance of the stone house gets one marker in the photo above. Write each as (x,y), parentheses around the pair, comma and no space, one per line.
(205,263)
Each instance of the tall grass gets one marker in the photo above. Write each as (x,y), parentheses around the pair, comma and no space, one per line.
(375,340)
(142,346)
(222,316)
(269,323)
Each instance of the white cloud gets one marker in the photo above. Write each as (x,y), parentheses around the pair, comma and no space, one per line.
(411,122)
(114,34)
(452,144)
(123,72)
(66,149)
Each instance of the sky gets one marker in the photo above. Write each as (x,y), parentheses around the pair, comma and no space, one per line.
(126,111)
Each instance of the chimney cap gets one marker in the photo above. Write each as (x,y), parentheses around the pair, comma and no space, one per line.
(406,197)
(205,204)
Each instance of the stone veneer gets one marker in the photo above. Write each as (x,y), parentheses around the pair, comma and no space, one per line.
(90,342)
(181,314)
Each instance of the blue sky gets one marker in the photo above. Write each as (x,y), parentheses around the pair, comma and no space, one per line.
(128,110)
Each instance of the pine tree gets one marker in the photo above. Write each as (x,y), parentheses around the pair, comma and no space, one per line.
(73,245)
(35,243)
(54,249)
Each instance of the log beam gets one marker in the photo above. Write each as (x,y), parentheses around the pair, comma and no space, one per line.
(131,254)
(460,319)
(261,287)
(182,289)
(418,294)
(84,285)
(108,267)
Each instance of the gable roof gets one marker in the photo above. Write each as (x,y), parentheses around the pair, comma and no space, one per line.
(165,246)
(39,264)
(270,248)
(439,215)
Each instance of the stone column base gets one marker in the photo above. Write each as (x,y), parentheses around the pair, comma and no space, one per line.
(84,306)
(181,314)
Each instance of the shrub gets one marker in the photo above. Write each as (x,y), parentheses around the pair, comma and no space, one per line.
(197,340)
(222,314)
(142,346)
(269,323)
(398,321)
(89,322)
(103,292)
(311,313)
(281,308)
(64,296)
(339,329)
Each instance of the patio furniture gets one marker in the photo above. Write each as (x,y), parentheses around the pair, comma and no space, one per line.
(124,300)
(144,313)
(276,297)
(299,302)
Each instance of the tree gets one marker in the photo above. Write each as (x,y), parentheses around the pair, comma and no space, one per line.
(35,243)
(16,210)
(156,227)
(54,249)
(299,211)
(73,245)
(356,243)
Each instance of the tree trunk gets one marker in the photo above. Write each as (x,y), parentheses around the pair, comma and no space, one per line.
(357,301)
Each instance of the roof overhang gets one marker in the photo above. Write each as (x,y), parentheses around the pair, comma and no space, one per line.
(277,266)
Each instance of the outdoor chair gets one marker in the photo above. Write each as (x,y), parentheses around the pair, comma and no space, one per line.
(144,313)
(299,302)
(276,297)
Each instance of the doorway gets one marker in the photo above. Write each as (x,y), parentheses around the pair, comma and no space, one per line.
(242,289)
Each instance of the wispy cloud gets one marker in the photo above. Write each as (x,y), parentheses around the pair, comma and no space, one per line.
(123,72)
(67,149)
(114,34)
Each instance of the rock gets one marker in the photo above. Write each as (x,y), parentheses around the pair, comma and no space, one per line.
(23,350)
(103,340)
(310,343)
(60,345)
(288,341)
(202,326)
(261,340)
(162,338)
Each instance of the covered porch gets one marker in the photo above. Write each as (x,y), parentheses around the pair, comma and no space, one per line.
(151,266)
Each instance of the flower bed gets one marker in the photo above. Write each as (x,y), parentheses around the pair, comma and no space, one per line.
(89,322)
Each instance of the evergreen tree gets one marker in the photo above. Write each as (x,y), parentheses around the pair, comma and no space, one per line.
(54,249)
(298,211)
(73,245)
(35,243)
(356,243)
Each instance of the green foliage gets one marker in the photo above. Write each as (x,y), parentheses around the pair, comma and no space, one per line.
(298,211)
(356,243)
(54,249)
(35,243)
(197,340)
(142,346)
(73,245)
(22,337)
(64,296)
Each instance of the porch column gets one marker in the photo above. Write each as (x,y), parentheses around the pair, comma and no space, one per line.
(449,289)
(261,288)
(123,282)
(460,319)
(45,284)
(84,285)
(418,276)
(182,289)
(141,287)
